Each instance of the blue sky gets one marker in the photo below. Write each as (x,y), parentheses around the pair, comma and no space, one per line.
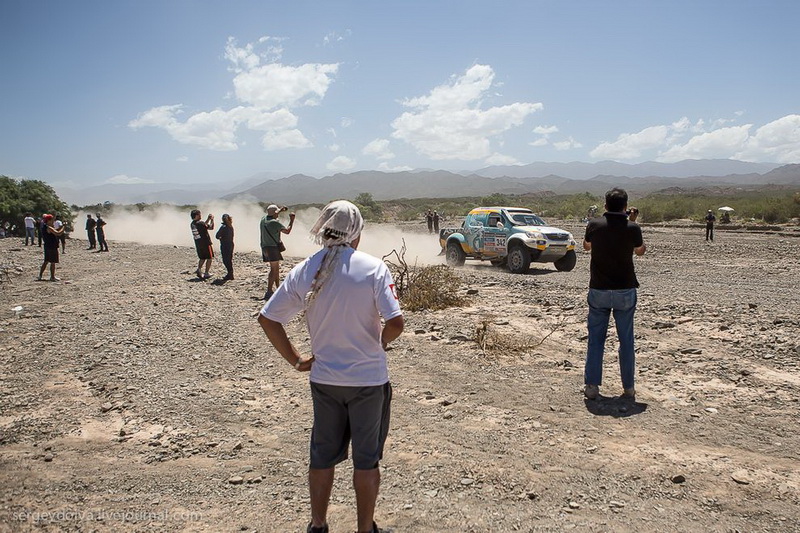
(185,91)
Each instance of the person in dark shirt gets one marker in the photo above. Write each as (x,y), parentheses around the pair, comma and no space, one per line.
(100,229)
(39,230)
(90,225)
(436,222)
(710,219)
(612,240)
(202,242)
(225,236)
(51,237)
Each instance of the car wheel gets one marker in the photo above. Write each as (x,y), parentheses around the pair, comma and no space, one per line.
(519,259)
(455,255)
(566,263)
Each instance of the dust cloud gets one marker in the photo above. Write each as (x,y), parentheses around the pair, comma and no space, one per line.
(168,225)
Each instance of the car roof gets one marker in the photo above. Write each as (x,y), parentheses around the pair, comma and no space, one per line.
(498,208)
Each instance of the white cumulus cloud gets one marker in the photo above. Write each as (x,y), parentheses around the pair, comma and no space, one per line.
(266,90)
(379,148)
(449,122)
(721,143)
(384,167)
(545,130)
(568,144)
(501,159)
(341,163)
(122,179)
(632,145)
(778,141)
(275,85)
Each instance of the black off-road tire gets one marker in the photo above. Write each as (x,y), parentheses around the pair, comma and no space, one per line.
(567,263)
(519,259)
(455,256)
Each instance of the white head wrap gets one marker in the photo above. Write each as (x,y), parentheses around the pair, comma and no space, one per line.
(338,225)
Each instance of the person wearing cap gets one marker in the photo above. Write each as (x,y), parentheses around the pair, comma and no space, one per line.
(225,237)
(271,230)
(51,237)
(344,294)
(710,219)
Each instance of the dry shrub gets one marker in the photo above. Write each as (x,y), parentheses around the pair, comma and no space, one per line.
(420,288)
(493,341)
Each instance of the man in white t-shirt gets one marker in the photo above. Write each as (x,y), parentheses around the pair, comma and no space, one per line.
(344,294)
(30,228)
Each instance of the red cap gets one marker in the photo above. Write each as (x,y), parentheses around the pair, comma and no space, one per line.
(47,217)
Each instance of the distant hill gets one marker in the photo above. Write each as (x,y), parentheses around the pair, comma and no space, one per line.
(558,178)
(443,184)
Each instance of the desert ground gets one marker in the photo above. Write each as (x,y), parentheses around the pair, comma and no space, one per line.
(136,398)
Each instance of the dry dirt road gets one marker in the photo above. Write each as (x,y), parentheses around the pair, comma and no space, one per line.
(134,398)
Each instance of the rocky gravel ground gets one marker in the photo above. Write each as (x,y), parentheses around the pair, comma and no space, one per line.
(135,398)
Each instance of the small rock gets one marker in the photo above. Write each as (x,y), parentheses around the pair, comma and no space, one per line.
(419,331)
(448,415)
(752,306)
(237,446)
(742,477)
(48,457)
(677,479)
(236,480)
(467,481)
(408,506)
(614,503)
(472,291)
(106,407)
(712,410)
(574,505)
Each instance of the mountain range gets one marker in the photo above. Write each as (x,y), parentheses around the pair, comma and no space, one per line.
(558,178)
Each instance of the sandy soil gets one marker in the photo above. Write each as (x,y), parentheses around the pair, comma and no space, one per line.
(134,398)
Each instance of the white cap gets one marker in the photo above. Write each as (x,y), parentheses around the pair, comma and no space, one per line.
(272,207)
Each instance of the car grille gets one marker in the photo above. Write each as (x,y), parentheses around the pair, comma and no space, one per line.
(557,236)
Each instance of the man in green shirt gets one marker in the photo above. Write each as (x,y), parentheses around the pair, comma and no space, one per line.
(271,246)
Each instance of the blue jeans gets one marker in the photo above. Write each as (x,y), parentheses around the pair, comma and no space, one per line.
(601,304)
(30,233)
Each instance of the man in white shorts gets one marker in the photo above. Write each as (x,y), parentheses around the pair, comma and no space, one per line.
(344,293)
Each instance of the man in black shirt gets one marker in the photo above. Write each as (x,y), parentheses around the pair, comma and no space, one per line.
(100,229)
(710,218)
(225,236)
(90,224)
(612,239)
(202,242)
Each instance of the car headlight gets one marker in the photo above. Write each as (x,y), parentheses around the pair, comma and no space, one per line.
(534,235)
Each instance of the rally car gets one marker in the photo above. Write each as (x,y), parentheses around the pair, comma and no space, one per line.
(512,236)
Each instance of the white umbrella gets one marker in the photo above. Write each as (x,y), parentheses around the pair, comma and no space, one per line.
(726,208)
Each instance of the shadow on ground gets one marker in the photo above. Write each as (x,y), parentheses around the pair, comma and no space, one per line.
(615,406)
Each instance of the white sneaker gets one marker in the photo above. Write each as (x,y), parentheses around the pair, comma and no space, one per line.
(591,391)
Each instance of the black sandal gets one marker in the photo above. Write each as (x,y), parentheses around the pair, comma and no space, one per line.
(312,529)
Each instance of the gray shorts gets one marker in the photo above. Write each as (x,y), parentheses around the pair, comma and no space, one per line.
(345,414)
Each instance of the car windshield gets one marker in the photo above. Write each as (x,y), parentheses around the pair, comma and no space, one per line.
(526,219)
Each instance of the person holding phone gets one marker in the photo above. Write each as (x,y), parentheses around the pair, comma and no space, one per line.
(272,247)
